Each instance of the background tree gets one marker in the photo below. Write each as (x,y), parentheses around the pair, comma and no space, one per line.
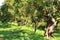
(25,9)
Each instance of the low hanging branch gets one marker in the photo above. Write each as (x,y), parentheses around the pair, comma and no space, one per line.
(51,23)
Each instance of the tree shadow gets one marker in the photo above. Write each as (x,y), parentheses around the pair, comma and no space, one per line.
(57,34)
(20,35)
(5,25)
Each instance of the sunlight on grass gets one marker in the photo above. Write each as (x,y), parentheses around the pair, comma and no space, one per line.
(27,28)
(41,32)
(24,33)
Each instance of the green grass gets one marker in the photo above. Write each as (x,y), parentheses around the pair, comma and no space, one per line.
(24,33)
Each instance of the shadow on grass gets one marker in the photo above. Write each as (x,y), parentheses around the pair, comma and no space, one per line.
(20,35)
(6,25)
(57,33)
(23,35)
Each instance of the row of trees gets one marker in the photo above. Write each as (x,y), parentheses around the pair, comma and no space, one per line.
(29,11)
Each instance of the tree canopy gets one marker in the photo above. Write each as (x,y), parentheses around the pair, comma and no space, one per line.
(28,11)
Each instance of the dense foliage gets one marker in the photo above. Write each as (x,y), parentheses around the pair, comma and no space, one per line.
(26,12)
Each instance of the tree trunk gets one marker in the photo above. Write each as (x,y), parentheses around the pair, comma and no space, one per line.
(51,23)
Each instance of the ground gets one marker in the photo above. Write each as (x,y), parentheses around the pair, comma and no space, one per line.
(24,33)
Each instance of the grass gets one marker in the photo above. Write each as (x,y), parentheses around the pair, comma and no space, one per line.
(24,33)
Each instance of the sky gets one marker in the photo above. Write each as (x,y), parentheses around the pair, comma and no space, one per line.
(1,2)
